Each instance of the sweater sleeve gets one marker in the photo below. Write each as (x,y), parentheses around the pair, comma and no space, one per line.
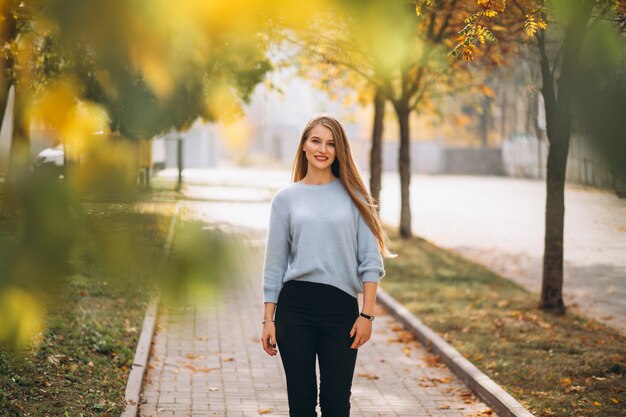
(370,263)
(276,252)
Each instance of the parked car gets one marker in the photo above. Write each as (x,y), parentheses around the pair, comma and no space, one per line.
(51,159)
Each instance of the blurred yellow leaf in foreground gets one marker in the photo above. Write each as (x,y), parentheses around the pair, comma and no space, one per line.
(21,316)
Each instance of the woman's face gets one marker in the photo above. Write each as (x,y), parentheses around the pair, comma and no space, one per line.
(320,148)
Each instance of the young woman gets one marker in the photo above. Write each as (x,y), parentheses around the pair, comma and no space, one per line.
(324,247)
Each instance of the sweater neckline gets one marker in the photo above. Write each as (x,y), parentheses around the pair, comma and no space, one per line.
(317,186)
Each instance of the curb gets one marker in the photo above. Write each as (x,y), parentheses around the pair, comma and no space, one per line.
(138,370)
(142,354)
(483,386)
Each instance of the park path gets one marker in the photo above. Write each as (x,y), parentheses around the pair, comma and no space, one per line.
(495,221)
(499,222)
(207,361)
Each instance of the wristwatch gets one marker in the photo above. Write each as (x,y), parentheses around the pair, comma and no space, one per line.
(367,316)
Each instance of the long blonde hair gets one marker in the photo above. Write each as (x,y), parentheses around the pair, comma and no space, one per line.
(344,168)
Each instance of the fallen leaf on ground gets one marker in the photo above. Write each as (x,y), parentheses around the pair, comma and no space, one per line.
(197,369)
(485,412)
(128,328)
(368,376)
(56,360)
(402,336)
(433,361)
(565,381)
(265,411)
(575,388)
(443,407)
(614,400)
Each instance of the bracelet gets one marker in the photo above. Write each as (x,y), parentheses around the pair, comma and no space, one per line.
(265,321)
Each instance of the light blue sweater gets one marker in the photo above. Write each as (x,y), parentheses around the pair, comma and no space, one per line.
(317,234)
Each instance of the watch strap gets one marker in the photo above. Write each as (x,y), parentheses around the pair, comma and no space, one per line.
(367,316)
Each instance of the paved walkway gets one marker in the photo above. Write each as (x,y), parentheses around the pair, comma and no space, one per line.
(207,361)
(496,221)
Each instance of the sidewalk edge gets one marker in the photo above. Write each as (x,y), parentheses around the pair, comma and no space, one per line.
(138,370)
(142,354)
(483,386)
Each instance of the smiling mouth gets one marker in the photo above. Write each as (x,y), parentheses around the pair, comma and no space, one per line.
(321,158)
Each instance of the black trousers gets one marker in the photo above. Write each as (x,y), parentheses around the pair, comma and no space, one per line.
(315,320)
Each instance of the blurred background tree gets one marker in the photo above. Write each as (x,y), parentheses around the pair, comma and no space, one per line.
(581,58)
(394,52)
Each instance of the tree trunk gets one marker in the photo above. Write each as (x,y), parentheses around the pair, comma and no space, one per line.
(484,122)
(179,163)
(503,131)
(376,160)
(558,124)
(8,33)
(404,166)
(19,153)
(552,280)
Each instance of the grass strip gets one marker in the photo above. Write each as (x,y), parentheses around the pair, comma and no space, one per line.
(80,364)
(555,366)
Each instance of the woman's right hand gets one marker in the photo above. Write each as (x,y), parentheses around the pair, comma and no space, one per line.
(268,338)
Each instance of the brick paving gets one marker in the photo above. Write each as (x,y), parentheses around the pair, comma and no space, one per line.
(207,360)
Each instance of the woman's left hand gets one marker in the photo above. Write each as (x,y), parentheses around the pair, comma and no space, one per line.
(363,329)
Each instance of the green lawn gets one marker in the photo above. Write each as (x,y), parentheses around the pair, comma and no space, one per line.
(80,363)
(556,366)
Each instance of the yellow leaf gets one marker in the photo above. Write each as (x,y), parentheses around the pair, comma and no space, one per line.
(265,411)
(370,377)
(418,10)
(614,400)
(21,316)
(530,26)
(490,13)
(597,404)
(468,53)
(542,24)
(565,381)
